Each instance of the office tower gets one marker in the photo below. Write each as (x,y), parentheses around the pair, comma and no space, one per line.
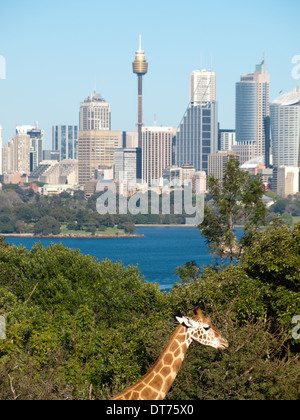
(37,137)
(217,163)
(202,87)
(64,141)
(252,107)
(1,163)
(20,150)
(94,113)
(128,160)
(157,143)
(226,140)
(96,148)
(140,68)
(285,128)
(287,180)
(36,147)
(197,136)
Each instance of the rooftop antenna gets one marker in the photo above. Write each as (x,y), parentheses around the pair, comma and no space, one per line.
(95,85)
(140,42)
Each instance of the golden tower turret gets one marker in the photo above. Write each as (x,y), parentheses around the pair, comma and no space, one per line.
(140,65)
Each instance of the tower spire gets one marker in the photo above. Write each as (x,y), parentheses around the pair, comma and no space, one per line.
(140,68)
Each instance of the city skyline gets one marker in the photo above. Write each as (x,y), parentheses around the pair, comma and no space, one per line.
(55,54)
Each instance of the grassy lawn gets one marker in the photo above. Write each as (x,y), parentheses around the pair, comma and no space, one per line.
(107,231)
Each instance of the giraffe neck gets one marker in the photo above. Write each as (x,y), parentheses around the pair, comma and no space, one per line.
(157,382)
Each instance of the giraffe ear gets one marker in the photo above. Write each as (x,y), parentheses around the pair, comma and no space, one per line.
(198,313)
(187,322)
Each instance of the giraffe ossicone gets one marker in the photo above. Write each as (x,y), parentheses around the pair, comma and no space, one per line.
(158,380)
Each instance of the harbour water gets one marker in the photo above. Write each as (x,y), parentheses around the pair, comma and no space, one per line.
(157,254)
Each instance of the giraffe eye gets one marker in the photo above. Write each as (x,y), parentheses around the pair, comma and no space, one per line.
(207,327)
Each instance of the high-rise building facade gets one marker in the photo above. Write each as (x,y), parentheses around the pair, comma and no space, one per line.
(96,148)
(197,136)
(64,141)
(157,144)
(252,108)
(37,138)
(202,87)
(217,163)
(94,114)
(20,149)
(226,140)
(129,161)
(285,128)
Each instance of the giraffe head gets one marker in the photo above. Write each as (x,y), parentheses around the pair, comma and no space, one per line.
(202,330)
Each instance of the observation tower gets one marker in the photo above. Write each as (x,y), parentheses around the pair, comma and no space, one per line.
(140,68)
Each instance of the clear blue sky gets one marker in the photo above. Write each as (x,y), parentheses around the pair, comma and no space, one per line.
(55,50)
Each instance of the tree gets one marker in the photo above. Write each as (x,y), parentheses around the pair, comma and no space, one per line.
(47,225)
(236,200)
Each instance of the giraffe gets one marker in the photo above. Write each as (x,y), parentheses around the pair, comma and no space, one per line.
(158,380)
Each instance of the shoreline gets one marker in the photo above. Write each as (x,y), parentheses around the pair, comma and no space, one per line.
(71,236)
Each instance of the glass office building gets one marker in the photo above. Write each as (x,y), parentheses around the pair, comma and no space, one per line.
(285,128)
(197,136)
(64,141)
(252,109)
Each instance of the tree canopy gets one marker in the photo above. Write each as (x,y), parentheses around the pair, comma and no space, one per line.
(78,328)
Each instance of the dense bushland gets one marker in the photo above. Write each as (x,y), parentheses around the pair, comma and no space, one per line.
(78,328)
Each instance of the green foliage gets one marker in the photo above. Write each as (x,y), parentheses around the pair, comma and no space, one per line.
(235,200)
(78,328)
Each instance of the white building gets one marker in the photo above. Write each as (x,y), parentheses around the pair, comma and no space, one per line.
(202,87)
(285,128)
(226,140)
(94,113)
(157,145)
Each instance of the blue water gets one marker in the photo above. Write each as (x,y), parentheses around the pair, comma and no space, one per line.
(157,254)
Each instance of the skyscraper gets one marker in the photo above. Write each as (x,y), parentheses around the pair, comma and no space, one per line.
(157,144)
(252,109)
(96,148)
(202,87)
(197,135)
(285,128)
(36,147)
(128,160)
(94,113)
(64,141)
(140,68)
